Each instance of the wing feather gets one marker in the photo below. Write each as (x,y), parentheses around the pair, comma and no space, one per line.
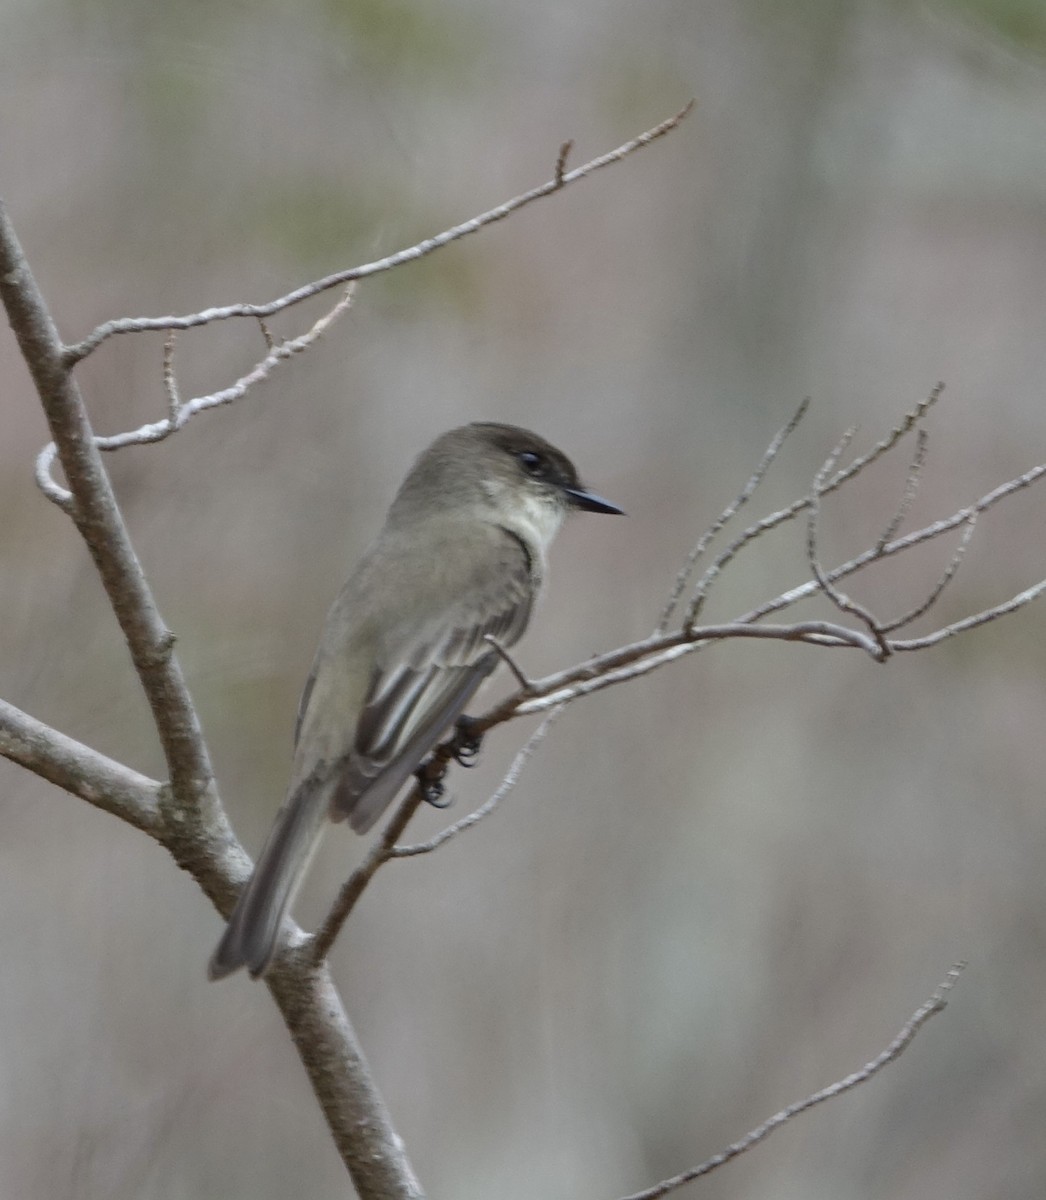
(425,662)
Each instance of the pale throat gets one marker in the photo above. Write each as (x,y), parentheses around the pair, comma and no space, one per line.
(535,518)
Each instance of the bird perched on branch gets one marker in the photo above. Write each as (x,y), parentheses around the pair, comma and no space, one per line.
(460,561)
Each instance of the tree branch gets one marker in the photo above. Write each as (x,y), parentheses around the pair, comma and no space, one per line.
(179,412)
(552,693)
(560,180)
(487,807)
(840,599)
(93,509)
(379,853)
(727,515)
(927,534)
(341,1079)
(937,1003)
(78,769)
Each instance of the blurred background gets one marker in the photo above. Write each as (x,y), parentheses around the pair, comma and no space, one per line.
(716,889)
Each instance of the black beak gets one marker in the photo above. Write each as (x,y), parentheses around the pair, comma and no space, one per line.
(590,502)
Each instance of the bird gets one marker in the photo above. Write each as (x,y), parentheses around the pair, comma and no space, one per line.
(451,580)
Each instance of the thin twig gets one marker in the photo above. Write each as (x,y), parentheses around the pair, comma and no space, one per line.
(630,662)
(179,414)
(637,658)
(927,534)
(509,662)
(911,487)
(934,594)
(170,381)
(813,504)
(561,162)
(982,618)
(839,598)
(904,427)
(379,853)
(74,354)
(46,482)
(385,848)
(702,544)
(507,784)
(937,1003)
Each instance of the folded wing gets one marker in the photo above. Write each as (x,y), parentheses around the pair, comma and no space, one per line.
(425,665)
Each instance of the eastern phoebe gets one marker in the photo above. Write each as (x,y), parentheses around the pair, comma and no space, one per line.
(462,556)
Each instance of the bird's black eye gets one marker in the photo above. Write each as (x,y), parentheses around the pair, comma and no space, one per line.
(532,463)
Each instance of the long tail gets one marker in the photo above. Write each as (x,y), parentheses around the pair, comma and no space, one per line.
(251,935)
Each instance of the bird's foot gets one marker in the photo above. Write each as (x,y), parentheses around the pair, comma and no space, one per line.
(432,789)
(466,743)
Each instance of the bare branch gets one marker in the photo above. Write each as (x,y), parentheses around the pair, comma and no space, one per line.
(279,352)
(100,523)
(937,1003)
(561,162)
(629,662)
(839,598)
(507,784)
(385,847)
(911,487)
(170,382)
(190,822)
(78,769)
(900,545)
(74,354)
(341,1080)
(702,544)
(380,852)
(904,427)
(637,658)
(179,414)
(509,662)
(46,482)
(968,623)
(934,595)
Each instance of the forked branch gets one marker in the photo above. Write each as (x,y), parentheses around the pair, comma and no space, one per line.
(561,178)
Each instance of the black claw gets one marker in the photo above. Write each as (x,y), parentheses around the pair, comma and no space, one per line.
(432,790)
(467,742)
(438,797)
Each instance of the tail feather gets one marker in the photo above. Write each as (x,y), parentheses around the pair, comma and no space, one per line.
(250,937)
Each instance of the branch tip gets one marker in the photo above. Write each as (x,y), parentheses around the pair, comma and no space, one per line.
(893,1051)
(524,683)
(561,161)
(702,544)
